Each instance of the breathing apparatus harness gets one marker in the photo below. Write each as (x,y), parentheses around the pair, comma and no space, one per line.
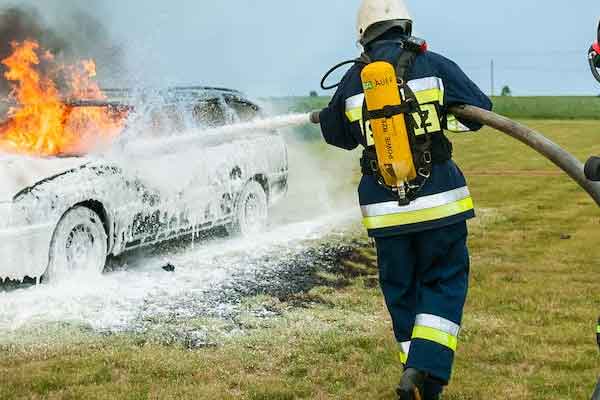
(424,153)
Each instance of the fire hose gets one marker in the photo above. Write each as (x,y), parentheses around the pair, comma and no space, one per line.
(538,142)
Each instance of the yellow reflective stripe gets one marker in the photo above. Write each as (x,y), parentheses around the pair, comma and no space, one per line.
(598,329)
(454,125)
(354,107)
(437,336)
(432,122)
(403,357)
(419,85)
(354,114)
(404,350)
(415,217)
(430,96)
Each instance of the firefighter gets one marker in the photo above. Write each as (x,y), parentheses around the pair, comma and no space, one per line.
(421,247)
(592,167)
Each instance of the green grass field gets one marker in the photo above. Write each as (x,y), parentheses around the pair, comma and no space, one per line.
(528,331)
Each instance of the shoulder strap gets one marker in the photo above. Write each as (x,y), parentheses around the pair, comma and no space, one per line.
(364,59)
(412,48)
(405,63)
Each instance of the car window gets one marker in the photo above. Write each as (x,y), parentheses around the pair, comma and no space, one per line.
(244,111)
(210,113)
(163,120)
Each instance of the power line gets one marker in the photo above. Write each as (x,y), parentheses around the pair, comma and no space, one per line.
(517,53)
(498,67)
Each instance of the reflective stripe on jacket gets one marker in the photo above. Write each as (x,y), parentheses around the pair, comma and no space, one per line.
(437,83)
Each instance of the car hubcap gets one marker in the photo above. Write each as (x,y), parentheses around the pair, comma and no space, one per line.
(79,249)
(254,213)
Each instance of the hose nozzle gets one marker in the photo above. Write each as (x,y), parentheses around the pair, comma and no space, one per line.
(315,117)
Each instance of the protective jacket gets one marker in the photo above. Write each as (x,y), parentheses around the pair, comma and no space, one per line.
(437,83)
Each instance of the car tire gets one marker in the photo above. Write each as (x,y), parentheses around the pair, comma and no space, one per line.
(251,211)
(79,246)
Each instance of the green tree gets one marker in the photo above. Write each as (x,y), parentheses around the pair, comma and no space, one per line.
(506,91)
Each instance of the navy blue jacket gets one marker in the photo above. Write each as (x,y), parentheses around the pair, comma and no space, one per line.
(444,199)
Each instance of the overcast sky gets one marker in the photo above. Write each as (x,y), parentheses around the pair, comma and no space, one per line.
(282,47)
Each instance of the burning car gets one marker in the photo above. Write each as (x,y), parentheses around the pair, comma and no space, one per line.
(160,174)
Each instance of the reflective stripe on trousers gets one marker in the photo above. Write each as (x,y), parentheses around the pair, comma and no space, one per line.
(423,209)
(404,350)
(436,329)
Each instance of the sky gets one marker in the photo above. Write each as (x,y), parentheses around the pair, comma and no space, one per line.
(283,47)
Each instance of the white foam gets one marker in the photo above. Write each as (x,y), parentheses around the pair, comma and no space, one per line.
(115,300)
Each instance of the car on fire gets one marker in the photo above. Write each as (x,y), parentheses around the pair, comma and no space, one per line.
(66,214)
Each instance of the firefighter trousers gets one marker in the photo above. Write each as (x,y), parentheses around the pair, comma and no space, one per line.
(424,279)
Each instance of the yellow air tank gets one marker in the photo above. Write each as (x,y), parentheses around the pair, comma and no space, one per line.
(390,133)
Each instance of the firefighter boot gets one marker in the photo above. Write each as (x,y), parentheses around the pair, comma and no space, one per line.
(433,389)
(411,385)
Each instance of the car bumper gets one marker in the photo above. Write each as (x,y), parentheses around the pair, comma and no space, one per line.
(23,249)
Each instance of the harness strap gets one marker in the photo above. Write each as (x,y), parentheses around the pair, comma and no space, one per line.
(404,64)
(407,107)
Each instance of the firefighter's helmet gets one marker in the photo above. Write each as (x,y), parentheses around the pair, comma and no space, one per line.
(376,17)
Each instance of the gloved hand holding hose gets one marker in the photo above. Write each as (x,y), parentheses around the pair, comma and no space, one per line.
(592,169)
(315,117)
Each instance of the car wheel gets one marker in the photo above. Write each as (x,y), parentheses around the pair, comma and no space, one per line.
(251,211)
(79,245)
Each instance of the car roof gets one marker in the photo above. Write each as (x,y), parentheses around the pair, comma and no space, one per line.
(177,93)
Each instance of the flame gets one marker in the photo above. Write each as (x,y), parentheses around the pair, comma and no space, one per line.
(42,123)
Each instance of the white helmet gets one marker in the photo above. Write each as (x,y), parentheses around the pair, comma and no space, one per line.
(372,12)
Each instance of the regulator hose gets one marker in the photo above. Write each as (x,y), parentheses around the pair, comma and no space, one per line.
(335,68)
(553,152)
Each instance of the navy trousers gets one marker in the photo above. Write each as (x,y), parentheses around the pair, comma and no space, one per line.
(424,277)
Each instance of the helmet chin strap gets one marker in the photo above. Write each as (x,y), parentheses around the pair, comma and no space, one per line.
(376,30)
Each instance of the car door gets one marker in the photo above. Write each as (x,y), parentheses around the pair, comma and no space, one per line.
(206,203)
(162,173)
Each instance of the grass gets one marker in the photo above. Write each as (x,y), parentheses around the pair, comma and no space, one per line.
(528,330)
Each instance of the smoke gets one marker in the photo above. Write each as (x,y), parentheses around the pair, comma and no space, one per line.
(70,33)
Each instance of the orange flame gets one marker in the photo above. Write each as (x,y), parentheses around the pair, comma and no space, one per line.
(42,123)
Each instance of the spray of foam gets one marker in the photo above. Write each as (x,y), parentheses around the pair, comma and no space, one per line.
(322,179)
(225,132)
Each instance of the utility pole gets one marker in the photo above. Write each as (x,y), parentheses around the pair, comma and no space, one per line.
(492,77)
